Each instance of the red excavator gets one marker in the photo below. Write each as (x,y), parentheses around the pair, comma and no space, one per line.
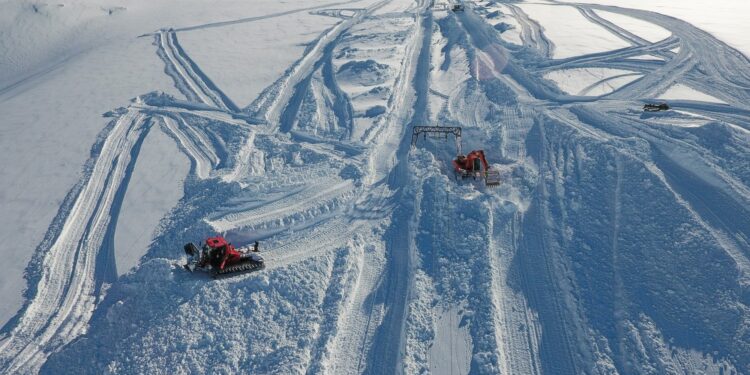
(475,165)
(218,257)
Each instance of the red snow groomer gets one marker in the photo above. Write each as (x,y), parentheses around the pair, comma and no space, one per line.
(218,257)
(475,165)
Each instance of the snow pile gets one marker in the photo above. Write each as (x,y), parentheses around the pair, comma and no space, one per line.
(183,324)
(502,18)
(349,90)
(365,73)
(646,267)
(616,241)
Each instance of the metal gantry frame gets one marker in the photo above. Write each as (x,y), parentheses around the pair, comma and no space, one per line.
(444,130)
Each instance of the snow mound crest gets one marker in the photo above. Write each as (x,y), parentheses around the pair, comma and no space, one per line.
(366,73)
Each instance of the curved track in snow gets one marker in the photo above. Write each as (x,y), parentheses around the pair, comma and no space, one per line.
(375,253)
(191,81)
(68,287)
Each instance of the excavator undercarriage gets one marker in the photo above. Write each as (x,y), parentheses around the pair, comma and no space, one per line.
(472,164)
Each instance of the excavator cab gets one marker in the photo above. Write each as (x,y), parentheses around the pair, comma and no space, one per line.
(477,165)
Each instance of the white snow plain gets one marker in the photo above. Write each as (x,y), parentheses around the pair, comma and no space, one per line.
(615,243)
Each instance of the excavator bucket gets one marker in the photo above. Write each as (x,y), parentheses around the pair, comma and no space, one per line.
(492,177)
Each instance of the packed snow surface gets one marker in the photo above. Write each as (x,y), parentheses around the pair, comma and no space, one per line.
(153,189)
(616,242)
(725,19)
(591,81)
(680,91)
(568,30)
(645,30)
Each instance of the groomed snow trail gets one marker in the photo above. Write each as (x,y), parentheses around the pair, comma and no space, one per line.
(558,243)
(191,81)
(202,127)
(617,242)
(68,287)
(78,260)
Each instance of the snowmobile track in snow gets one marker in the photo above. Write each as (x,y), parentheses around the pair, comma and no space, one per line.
(66,294)
(283,95)
(364,226)
(193,83)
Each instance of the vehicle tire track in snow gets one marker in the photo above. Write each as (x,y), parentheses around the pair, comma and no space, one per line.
(711,207)
(362,313)
(530,319)
(611,27)
(189,79)
(612,56)
(203,158)
(325,196)
(363,317)
(657,81)
(343,276)
(691,191)
(515,325)
(523,349)
(66,294)
(342,107)
(198,111)
(563,348)
(600,82)
(264,17)
(533,35)
(321,238)
(540,281)
(619,302)
(702,58)
(564,343)
(387,348)
(715,57)
(288,91)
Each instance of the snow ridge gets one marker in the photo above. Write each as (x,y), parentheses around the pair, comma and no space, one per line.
(617,241)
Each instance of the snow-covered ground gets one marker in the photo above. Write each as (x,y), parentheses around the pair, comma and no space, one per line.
(568,30)
(617,241)
(725,19)
(591,81)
